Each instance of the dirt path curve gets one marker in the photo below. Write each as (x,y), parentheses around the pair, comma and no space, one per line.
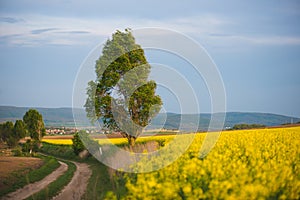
(77,186)
(32,188)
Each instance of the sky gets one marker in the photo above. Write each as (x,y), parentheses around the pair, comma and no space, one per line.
(255,46)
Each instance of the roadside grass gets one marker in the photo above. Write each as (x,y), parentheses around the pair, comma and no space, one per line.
(56,186)
(104,183)
(100,184)
(63,151)
(18,180)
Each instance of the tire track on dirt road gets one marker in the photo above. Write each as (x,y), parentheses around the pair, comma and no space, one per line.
(77,186)
(35,187)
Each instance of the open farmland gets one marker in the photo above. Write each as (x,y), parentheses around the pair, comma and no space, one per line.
(249,164)
(245,164)
(21,165)
(114,140)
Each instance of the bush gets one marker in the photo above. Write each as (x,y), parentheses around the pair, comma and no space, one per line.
(77,144)
(247,126)
(17,152)
(30,146)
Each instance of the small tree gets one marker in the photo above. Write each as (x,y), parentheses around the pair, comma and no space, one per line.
(77,145)
(35,124)
(122,96)
(81,140)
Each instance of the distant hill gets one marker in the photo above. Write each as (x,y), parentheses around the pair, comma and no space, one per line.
(64,117)
(51,116)
(232,118)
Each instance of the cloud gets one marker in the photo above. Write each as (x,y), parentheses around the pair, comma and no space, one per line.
(74,32)
(275,40)
(11,20)
(48,30)
(39,31)
(256,40)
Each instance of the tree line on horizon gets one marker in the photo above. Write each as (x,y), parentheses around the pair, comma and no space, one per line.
(32,125)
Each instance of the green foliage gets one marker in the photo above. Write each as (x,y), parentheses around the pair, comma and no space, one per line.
(6,130)
(59,151)
(30,146)
(11,134)
(77,145)
(17,132)
(247,126)
(12,141)
(81,140)
(122,73)
(35,124)
(93,146)
(17,152)
(20,129)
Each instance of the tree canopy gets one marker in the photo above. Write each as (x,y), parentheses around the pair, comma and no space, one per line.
(20,129)
(122,96)
(247,126)
(12,133)
(77,144)
(35,124)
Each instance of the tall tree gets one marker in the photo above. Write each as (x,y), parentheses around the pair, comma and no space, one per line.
(11,134)
(122,96)
(20,129)
(35,124)
(6,130)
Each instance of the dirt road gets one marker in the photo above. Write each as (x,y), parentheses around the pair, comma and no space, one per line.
(32,188)
(77,186)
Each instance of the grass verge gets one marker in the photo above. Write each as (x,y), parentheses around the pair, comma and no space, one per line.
(59,150)
(56,186)
(20,180)
(100,185)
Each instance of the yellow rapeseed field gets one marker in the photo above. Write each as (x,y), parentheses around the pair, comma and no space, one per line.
(58,141)
(111,140)
(246,164)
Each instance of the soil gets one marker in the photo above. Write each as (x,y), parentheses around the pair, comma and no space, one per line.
(14,164)
(77,186)
(32,188)
(13,167)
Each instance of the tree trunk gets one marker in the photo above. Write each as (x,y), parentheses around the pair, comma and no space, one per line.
(131,140)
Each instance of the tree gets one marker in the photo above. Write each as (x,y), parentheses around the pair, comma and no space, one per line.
(6,130)
(247,126)
(20,129)
(77,145)
(11,134)
(82,139)
(35,124)
(121,95)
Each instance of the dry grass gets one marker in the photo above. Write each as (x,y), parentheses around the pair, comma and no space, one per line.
(22,165)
